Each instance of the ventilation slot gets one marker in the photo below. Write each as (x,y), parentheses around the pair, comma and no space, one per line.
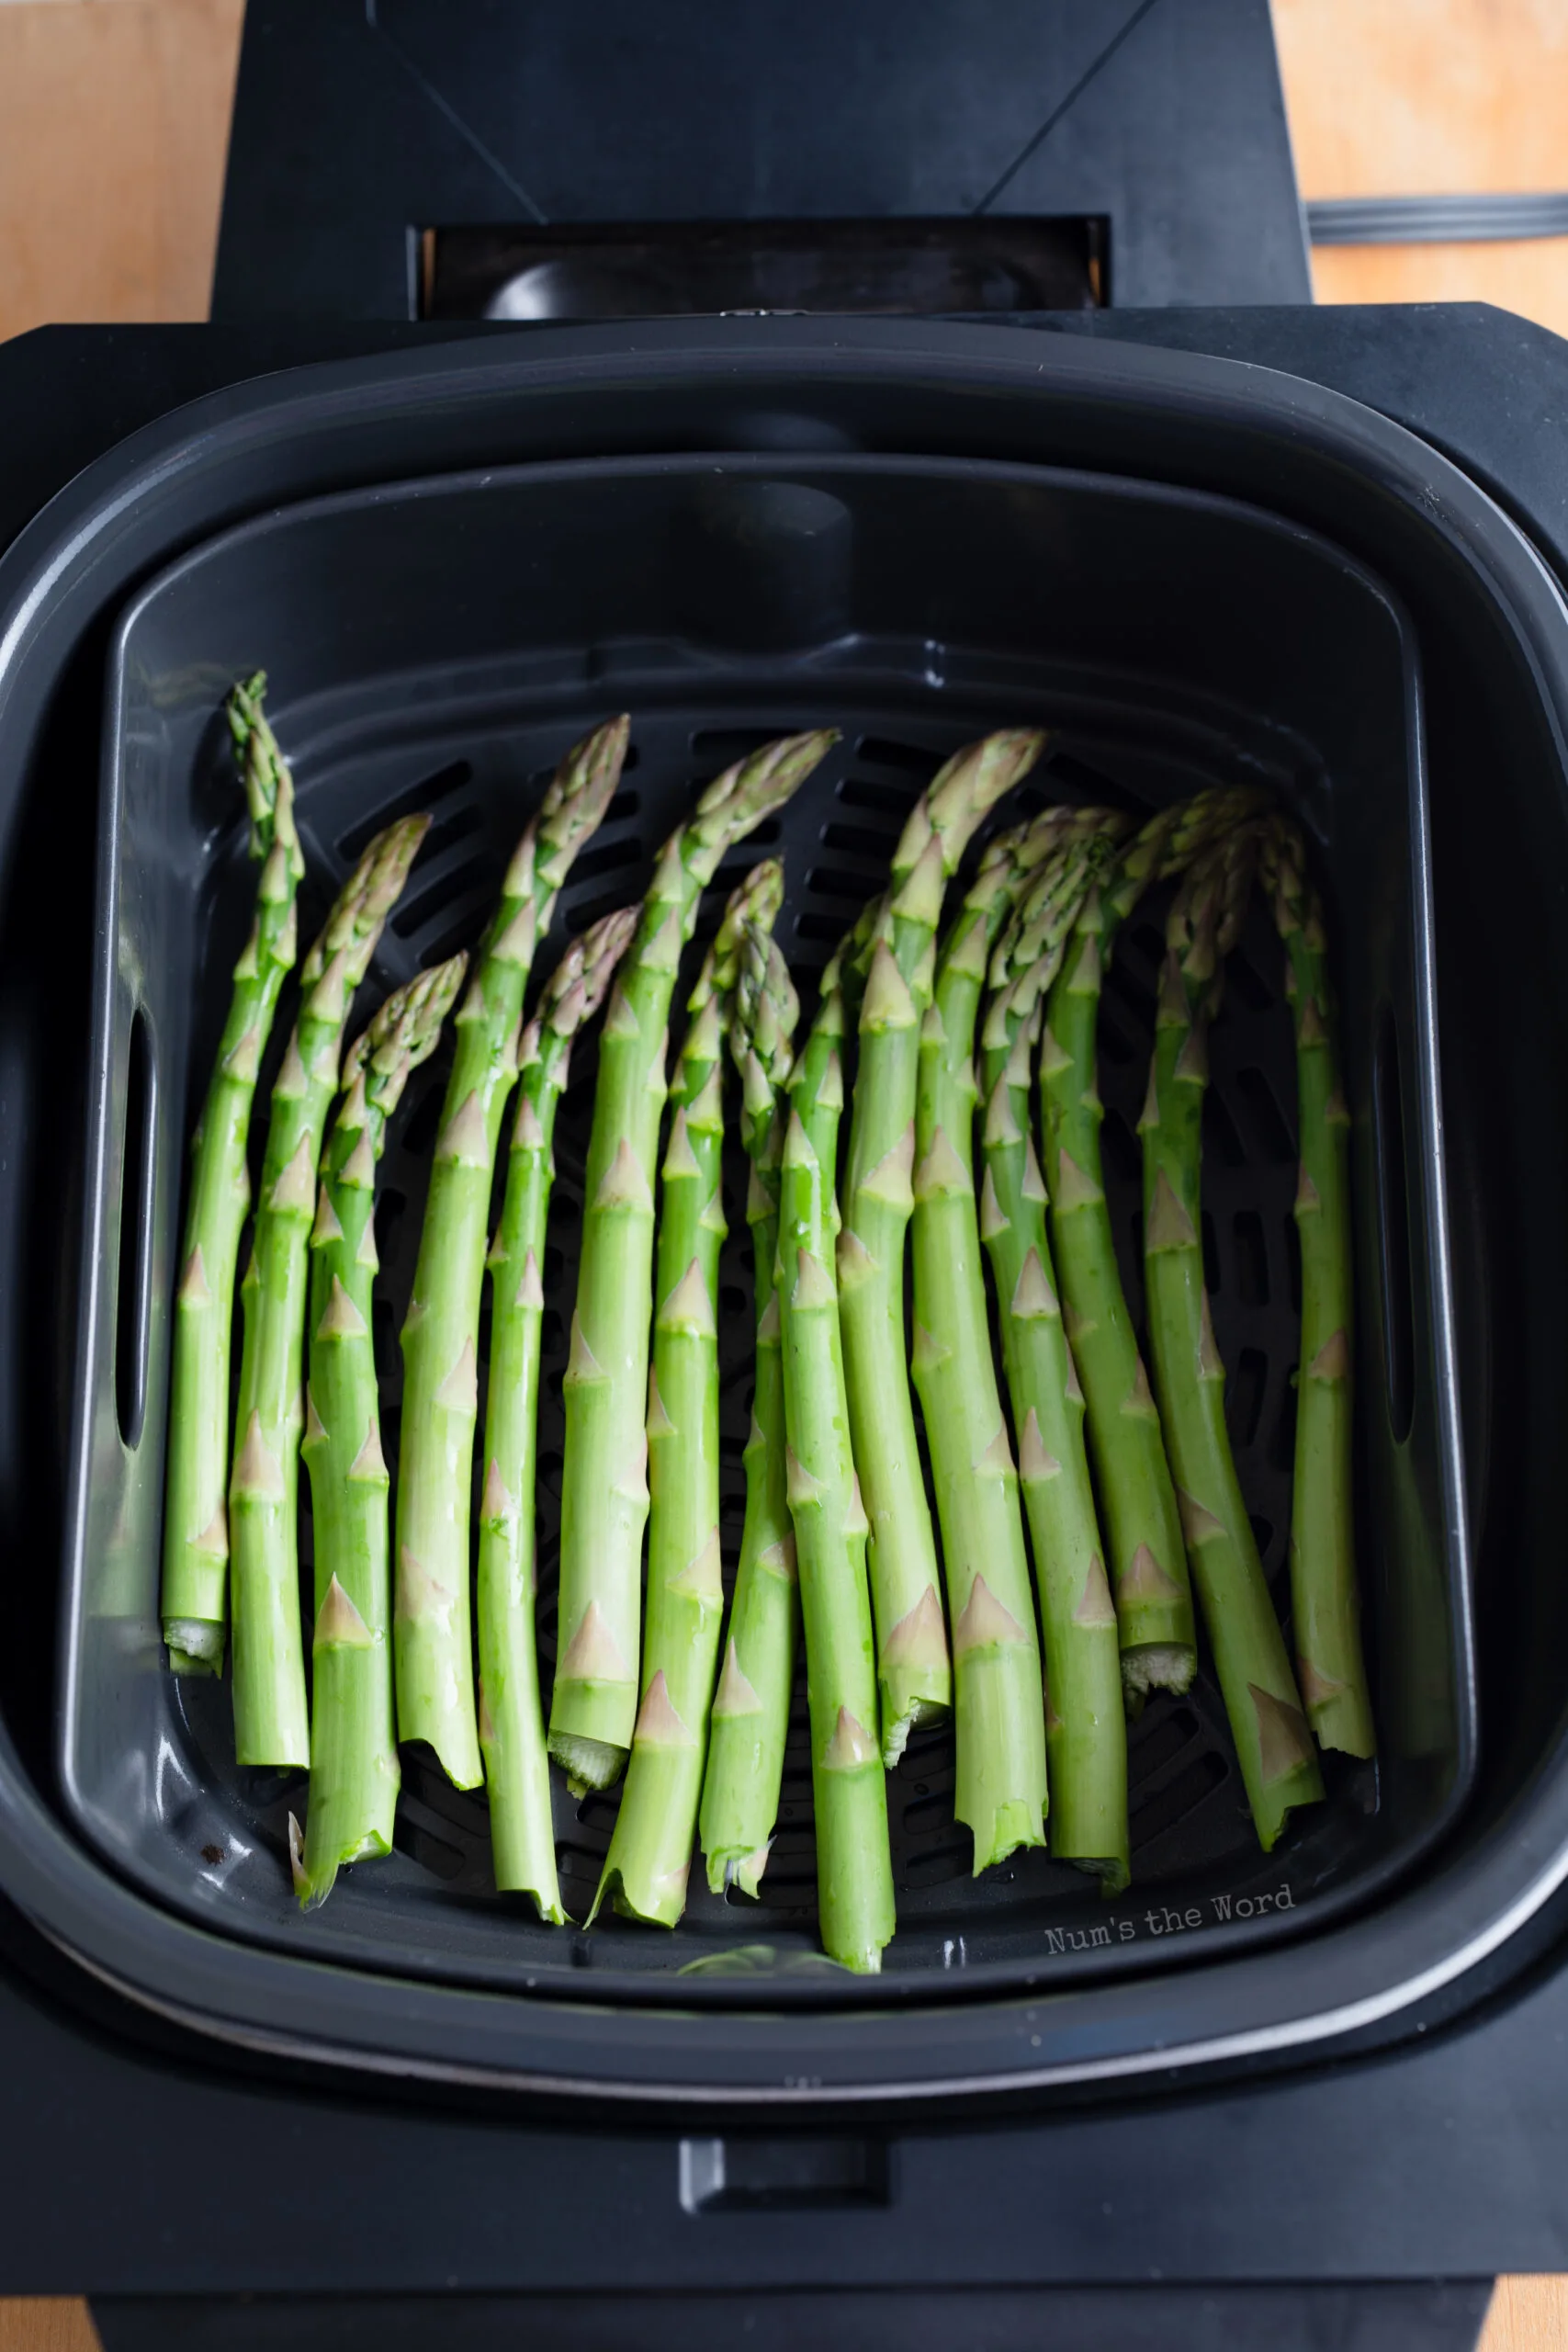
(413,802)
(884,753)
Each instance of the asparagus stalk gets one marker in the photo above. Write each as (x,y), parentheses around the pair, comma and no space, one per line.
(271,1720)
(1085,1737)
(1279,1764)
(604,1481)
(434,1661)
(511,1721)
(1148,1566)
(895,945)
(854,1869)
(195,1535)
(650,1850)
(749,1722)
(1325,1605)
(353,1756)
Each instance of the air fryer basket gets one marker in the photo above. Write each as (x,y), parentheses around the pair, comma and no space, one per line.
(1492,629)
(438,645)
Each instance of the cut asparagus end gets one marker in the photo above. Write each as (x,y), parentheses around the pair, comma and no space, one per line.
(1013,1825)
(915,1715)
(589,1764)
(1109,1869)
(194,1644)
(1157,1666)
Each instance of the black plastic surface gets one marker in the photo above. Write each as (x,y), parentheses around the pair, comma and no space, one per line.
(1497,684)
(444,643)
(360,123)
(1429,2317)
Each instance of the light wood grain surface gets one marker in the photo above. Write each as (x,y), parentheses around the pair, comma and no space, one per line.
(46,2323)
(1431,97)
(114,125)
(114,119)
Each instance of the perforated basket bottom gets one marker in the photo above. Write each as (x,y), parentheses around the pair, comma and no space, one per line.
(477,760)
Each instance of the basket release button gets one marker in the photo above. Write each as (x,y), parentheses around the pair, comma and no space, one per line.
(749,2175)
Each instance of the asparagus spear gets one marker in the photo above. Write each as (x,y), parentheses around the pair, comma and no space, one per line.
(604,1481)
(651,1851)
(353,1756)
(434,1662)
(1085,1737)
(1148,1566)
(749,1722)
(854,1869)
(1001,1787)
(1279,1764)
(271,1721)
(895,947)
(511,1721)
(1324,1606)
(195,1535)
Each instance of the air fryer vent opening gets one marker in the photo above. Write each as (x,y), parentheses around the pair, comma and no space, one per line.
(641,269)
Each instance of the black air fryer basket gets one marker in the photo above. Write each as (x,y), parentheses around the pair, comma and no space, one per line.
(452,566)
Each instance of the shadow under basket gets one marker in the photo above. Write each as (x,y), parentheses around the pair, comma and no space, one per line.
(438,645)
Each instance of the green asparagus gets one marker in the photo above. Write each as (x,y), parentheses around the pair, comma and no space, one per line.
(1085,1734)
(435,1663)
(894,949)
(1000,1791)
(1279,1764)
(511,1721)
(195,1535)
(605,1480)
(1148,1565)
(651,1851)
(750,1721)
(854,1869)
(1325,1605)
(271,1720)
(353,1756)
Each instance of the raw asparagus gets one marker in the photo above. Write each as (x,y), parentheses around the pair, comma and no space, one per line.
(1000,1791)
(605,1480)
(1325,1605)
(1279,1764)
(1148,1565)
(650,1850)
(1086,1739)
(271,1720)
(749,1722)
(195,1535)
(511,1721)
(855,1870)
(353,1756)
(434,1662)
(895,949)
